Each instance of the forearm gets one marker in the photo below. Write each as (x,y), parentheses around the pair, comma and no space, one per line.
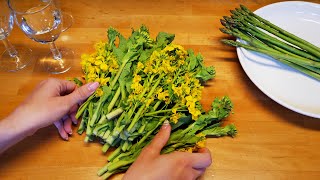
(13,130)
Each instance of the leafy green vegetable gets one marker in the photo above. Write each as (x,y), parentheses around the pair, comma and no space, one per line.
(143,83)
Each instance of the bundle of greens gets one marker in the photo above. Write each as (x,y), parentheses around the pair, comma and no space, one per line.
(264,37)
(143,83)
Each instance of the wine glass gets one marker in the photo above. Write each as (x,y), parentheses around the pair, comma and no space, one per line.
(67,21)
(13,58)
(41,21)
(67,18)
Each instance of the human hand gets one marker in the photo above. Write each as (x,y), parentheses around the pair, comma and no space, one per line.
(177,165)
(53,101)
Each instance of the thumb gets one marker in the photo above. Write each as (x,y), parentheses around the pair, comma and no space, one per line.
(82,93)
(161,139)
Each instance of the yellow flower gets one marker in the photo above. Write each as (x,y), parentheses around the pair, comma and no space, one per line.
(140,66)
(91,77)
(136,78)
(159,90)
(149,101)
(99,92)
(91,60)
(174,110)
(195,113)
(97,69)
(186,89)
(163,95)
(175,117)
(98,62)
(169,48)
(189,149)
(168,80)
(177,90)
(137,87)
(104,67)
(201,144)
(104,81)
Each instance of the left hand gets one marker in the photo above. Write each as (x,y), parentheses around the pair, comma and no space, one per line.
(53,101)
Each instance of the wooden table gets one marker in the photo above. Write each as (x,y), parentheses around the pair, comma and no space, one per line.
(273,142)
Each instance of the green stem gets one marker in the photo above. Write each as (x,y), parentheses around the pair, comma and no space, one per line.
(114,99)
(155,107)
(102,119)
(84,106)
(119,164)
(137,116)
(103,169)
(96,114)
(106,134)
(110,173)
(150,132)
(114,114)
(161,111)
(105,147)
(114,154)
(82,125)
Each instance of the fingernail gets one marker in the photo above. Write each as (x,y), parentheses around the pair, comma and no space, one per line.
(70,133)
(66,138)
(165,123)
(93,86)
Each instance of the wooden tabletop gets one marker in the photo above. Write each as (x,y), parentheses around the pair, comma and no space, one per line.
(273,142)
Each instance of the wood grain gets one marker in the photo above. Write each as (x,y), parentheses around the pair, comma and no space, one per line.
(273,142)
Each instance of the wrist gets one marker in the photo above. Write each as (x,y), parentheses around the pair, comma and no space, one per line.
(19,124)
(11,132)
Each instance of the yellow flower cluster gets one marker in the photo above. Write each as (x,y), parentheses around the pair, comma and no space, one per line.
(175,117)
(191,104)
(201,144)
(189,97)
(98,65)
(136,86)
(167,60)
(188,149)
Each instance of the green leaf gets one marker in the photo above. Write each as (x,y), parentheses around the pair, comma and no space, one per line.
(221,108)
(163,39)
(206,73)
(229,130)
(192,60)
(112,35)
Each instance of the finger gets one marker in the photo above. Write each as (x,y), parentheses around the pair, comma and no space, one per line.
(161,139)
(202,159)
(81,93)
(67,126)
(196,173)
(204,150)
(66,87)
(62,132)
(74,108)
(73,118)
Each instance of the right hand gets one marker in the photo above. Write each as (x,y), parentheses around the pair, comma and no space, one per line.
(177,165)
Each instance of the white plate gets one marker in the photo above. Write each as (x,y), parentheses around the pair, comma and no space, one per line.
(281,83)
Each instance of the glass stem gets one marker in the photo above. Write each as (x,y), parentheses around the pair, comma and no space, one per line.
(10,48)
(55,51)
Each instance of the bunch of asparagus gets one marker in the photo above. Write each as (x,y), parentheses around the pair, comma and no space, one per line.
(264,37)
